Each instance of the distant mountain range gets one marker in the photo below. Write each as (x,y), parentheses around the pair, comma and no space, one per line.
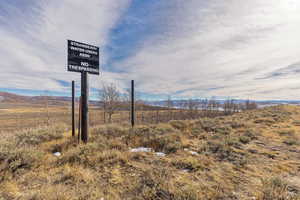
(179,103)
(6,97)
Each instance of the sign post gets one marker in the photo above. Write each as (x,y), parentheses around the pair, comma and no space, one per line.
(85,109)
(83,58)
(79,120)
(73,108)
(132,103)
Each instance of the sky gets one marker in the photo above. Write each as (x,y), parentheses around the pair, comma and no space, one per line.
(178,48)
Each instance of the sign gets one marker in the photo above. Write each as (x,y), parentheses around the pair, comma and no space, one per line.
(83,57)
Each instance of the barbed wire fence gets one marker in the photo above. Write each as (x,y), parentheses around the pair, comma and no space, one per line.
(115,107)
(112,106)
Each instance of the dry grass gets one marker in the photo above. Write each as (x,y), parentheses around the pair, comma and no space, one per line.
(18,117)
(250,155)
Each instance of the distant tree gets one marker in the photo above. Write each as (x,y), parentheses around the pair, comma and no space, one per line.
(250,105)
(169,105)
(169,102)
(228,106)
(204,107)
(213,107)
(192,106)
(110,98)
(126,99)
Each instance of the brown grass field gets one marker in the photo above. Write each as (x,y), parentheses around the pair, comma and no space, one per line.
(249,155)
(16,116)
(24,116)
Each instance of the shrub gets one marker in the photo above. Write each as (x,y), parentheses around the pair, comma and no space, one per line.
(72,175)
(232,141)
(267,121)
(143,131)
(276,189)
(196,131)
(117,145)
(35,137)
(289,132)
(251,134)
(180,125)
(225,130)
(110,131)
(189,163)
(167,144)
(207,124)
(152,184)
(93,156)
(188,192)
(21,159)
(244,139)
(226,153)
(80,154)
(163,129)
(213,125)
(237,124)
(247,137)
(290,141)
(296,122)
(216,147)
(141,134)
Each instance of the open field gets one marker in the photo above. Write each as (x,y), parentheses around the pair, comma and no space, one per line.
(19,116)
(24,116)
(249,155)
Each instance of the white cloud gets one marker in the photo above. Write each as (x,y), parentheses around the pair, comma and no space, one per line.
(203,48)
(33,42)
(226,45)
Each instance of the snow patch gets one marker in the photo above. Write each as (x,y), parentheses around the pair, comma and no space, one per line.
(145,149)
(191,152)
(141,149)
(161,154)
(186,170)
(57,154)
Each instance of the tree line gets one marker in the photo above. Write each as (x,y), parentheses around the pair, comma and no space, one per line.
(112,101)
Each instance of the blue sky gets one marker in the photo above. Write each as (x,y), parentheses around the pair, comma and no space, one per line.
(185,49)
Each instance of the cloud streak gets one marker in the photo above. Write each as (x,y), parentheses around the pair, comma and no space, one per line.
(195,48)
(219,44)
(34,38)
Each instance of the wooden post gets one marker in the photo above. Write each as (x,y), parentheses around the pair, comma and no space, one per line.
(132,103)
(73,108)
(104,115)
(84,107)
(79,120)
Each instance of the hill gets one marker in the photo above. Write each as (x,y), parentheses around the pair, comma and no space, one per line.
(15,99)
(6,97)
(249,155)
